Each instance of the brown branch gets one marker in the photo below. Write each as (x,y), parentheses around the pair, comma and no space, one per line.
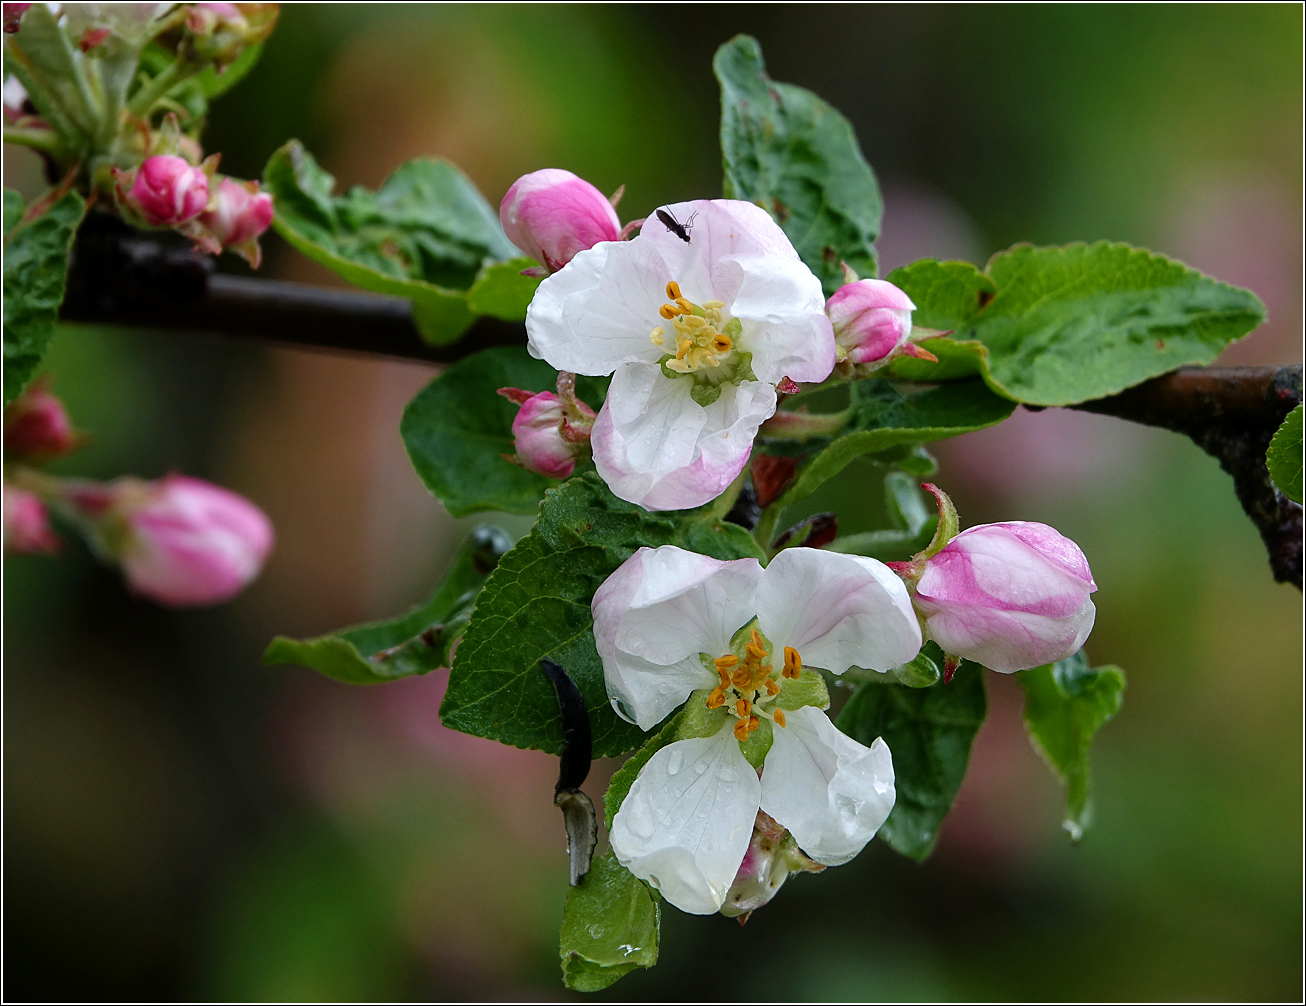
(121,276)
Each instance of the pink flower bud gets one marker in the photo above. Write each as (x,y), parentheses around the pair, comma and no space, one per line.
(27,525)
(541,434)
(551,215)
(167,190)
(871,319)
(37,426)
(238,214)
(772,855)
(1009,596)
(13,14)
(180,541)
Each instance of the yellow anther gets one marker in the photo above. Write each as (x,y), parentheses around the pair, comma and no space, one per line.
(755,651)
(717,699)
(744,708)
(720,343)
(729,660)
(714,305)
(771,687)
(761,674)
(655,336)
(668,311)
(741,730)
(753,723)
(673,291)
(693,321)
(741,678)
(793,663)
(685,306)
(779,717)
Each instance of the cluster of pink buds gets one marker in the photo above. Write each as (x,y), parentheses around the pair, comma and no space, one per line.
(551,215)
(180,541)
(1010,596)
(551,432)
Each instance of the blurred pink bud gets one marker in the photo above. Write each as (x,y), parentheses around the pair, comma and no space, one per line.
(871,319)
(13,13)
(167,190)
(551,215)
(182,541)
(1009,596)
(771,856)
(27,525)
(92,38)
(37,426)
(237,215)
(547,441)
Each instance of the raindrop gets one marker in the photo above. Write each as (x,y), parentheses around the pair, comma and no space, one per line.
(675,759)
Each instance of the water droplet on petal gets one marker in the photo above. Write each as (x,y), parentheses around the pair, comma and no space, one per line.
(675,759)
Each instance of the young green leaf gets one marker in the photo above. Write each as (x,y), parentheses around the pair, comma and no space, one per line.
(537,604)
(457,429)
(1057,326)
(929,731)
(1065,705)
(609,927)
(1284,458)
(414,643)
(35,274)
(883,418)
(425,234)
(501,291)
(791,153)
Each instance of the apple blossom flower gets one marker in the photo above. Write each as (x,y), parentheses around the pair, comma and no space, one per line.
(26,523)
(1009,596)
(166,190)
(734,640)
(37,427)
(871,319)
(697,334)
(552,214)
(180,541)
(236,215)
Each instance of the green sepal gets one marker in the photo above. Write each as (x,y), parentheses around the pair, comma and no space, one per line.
(1066,703)
(35,276)
(1062,325)
(609,927)
(930,732)
(1283,460)
(758,743)
(414,643)
(919,672)
(808,689)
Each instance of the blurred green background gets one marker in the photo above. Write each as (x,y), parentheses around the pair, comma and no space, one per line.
(183,823)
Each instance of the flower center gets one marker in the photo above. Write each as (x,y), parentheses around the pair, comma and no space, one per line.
(702,338)
(748,685)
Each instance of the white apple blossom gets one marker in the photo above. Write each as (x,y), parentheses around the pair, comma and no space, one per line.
(697,323)
(673,625)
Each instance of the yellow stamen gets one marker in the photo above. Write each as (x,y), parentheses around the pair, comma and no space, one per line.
(673,290)
(741,730)
(668,311)
(729,660)
(793,663)
(753,722)
(744,708)
(655,336)
(714,305)
(779,717)
(755,651)
(685,306)
(771,687)
(717,699)
(720,343)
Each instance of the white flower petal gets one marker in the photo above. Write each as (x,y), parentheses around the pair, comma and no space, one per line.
(596,313)
(782,308)
(832,793)
(687,821)
(655,614)
(838,611)
(655,446)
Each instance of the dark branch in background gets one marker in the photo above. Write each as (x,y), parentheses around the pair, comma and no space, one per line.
(123,277)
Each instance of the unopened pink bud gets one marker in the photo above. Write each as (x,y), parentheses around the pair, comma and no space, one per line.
(13,14)
(27,525)
(183,541)
(871,319)
(37,426)
(772,855)
(538,437)
(238,213)
(552,214)
(1009,596)
(167,190)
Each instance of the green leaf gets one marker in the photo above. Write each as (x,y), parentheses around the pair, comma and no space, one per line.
(609,927)
(457,429)
(414,643)
(35,273)
(1068,324)
(425,234)
(883,418)
(501,291)
(1284,459)
(929,732)
(537,604)
(48,67)
(791,153)
(1065,705)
